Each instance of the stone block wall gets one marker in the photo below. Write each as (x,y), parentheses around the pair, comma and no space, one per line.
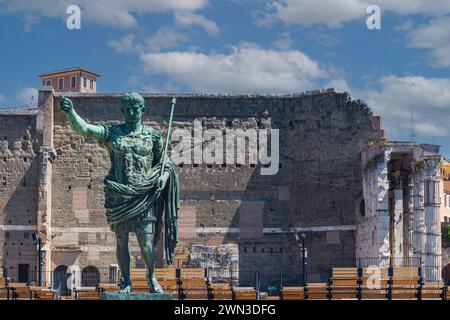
(315,190)
(19,144)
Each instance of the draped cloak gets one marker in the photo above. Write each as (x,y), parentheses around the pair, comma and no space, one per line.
(127,199)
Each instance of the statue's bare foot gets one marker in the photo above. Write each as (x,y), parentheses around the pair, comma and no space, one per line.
(126,289)
(155,286)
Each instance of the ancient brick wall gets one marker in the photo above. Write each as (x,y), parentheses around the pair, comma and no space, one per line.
(315,190)
(19,145)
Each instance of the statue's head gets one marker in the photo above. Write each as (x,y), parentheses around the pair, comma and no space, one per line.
(133,107)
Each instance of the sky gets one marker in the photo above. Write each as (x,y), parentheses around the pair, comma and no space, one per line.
(402,71)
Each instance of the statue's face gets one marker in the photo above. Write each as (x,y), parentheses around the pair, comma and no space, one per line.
(133,112)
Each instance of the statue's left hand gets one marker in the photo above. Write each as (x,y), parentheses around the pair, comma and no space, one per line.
(162,181)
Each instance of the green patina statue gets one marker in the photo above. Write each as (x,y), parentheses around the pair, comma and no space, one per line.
(140,186)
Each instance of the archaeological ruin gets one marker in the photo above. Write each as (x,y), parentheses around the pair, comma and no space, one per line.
(357,198)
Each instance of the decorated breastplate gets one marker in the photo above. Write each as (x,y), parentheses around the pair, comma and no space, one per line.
(131,155)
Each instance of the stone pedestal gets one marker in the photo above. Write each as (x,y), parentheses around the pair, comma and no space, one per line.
(135,296)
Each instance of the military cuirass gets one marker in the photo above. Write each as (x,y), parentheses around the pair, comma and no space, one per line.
(132,155)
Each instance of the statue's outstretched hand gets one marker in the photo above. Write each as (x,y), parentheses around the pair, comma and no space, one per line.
(66,104)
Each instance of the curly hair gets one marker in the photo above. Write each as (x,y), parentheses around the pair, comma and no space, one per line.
(132,98)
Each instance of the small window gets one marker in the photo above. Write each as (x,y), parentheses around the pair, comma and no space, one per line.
(85,82)
(73,81)
(92,84)
(60,83)
(48,83)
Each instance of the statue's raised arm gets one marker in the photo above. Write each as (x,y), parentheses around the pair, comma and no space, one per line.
(78,123)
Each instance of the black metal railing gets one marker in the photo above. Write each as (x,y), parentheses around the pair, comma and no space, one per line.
(64,280)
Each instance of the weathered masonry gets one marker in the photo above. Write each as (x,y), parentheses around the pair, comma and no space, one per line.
(51,182)
(403,190)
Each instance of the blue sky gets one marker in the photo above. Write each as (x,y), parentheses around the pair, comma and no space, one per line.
(231,46)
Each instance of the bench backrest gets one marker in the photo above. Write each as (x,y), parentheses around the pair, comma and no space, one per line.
(220,286)
(137,274)
(18,285)
(344,273)
(166,273)
(405,273)
(367,272)
(192,273)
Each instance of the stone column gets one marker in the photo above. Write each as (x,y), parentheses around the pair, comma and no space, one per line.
(419,231)
(382,217)
(44,126)
(407,221)
(432,205)
(398,227)
(395,217)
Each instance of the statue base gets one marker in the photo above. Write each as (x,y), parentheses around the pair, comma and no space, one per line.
(135,296)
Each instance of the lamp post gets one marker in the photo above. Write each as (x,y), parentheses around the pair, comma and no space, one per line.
(300,237)
(37,239)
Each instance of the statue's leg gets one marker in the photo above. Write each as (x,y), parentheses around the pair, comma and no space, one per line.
(123,258)
(145,240)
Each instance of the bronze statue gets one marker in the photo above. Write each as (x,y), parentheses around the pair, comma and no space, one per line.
(140,186)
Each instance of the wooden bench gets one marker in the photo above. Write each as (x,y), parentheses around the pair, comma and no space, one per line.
(41,293)
(107,287)
(265,296)
(405,283)
(220,291)
(369,289)
(19,290)
(244,293)
(139,281)
(3,289)
(317,291)
(344,283)
(432,291)
(293,293)
(167,278)
(87,293)
(193,284)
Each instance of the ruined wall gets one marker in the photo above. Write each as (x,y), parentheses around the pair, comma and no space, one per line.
(315,191)
(19,143)
(372,237)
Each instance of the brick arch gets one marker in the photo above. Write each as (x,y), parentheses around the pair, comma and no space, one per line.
(90,276)
(60,277)
(446,273)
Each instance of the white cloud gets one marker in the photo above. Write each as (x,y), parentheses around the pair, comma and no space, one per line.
(2,98)
(164,38)
(340,84)
(328,12)
(428,98)
(27,96)
(407,7)
(125,44)
(285,42)
(435,36)
(334,13)
(117,13)
(248,68)
(187,19)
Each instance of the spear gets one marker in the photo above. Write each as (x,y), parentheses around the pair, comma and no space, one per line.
(166,146)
